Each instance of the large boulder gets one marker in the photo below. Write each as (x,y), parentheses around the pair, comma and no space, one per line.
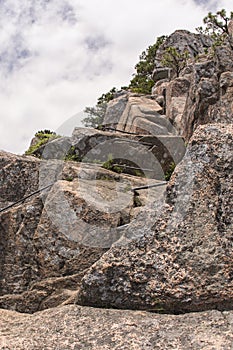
(18,177)
(209,97)
(48,241)
(182,40)
(142,115)
(82,328)
(115,109)
(136,114)
(153,155)
(199,95)
(176,96)
(184,263)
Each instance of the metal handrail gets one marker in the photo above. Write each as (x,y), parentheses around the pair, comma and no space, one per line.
(117,130)
(24,198)
(148,186)
(125,166)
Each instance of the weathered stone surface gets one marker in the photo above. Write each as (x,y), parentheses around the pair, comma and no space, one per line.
(223,59)
(184,263)
(54,149)
(88,142)
(33,249)
(159,88)
(199,97)
(47,242)
(161,73)
(176,96)
(74,327)
(195,98)
(18,177)
(142,115)
(222,110)
(207,101)
(91,239)
(115,110)
(185,40)
(91,145)
(121,112)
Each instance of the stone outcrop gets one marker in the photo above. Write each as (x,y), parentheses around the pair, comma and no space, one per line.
(195,44)
(151,150)
(140,115)
(176,96)
(18,177)
(161,73)
(202,92)
(114,110)
(209,97)
(98,228)
(74,327)
(184,263)
(57,234)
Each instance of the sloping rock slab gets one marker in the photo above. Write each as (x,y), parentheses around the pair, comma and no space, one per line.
(18,177)
(82,328)
(49,241)
(185,262)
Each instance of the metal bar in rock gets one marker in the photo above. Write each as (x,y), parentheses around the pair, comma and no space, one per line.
(149,186)
(123,132)
(24,198)
(131,167)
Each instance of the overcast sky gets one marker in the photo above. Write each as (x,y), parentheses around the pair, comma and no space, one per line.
(58,56)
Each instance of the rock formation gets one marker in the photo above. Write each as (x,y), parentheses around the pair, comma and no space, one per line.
(75,327)
(56,235)
(88,220)
(202,92)
(185,262)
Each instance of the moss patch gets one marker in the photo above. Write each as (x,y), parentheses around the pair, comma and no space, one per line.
(43,137)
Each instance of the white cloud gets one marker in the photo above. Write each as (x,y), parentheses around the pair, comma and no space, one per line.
(58,56)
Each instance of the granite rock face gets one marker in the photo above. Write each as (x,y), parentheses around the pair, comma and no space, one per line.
(114,110)
(195,44)
(82,328)
(95,237)
(177,93)
(152,148)
(18,177)
(209,97)
(184,263)
(48,241)
(140,115)
(202,92)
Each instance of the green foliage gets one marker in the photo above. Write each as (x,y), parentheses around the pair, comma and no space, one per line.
(175,59)
(72,155)
(136,200)
(216,26)
(105,178)
(170,171)
(142,81)
(121,166)
(141,84)
(95,115)
(91,160)
(109,165)
(69,179)
(42,133)
(42,136)
(107,97)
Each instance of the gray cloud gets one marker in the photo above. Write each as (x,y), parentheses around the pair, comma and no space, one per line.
(210,5)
